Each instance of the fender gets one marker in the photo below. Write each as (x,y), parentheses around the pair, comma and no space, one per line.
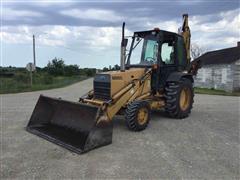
(176,76)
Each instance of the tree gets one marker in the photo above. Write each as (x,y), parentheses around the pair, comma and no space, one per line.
(56,67)
(105,69)
(197,51)
(116,67)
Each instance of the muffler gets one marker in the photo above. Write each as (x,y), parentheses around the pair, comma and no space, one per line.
(72,125)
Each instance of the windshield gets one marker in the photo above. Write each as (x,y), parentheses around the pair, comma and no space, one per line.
(144,51)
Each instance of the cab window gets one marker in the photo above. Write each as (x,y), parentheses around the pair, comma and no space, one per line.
(167,53)
(150,51)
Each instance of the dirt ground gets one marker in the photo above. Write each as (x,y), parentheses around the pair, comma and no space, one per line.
(205,145)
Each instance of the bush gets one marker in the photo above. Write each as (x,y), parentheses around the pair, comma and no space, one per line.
(42,78)
(71,70)
(22,77)
(47,79)
(89,71)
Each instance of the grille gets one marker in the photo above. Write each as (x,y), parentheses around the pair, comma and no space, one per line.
(102,90)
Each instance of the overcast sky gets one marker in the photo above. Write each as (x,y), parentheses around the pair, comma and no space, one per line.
(88,33)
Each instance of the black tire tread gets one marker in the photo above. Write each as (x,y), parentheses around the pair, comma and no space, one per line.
(172,93)
(131,115)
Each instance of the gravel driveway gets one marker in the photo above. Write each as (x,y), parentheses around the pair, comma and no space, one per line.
(205,145)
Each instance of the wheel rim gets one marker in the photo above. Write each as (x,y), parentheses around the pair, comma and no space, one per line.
(142,116)
(185,98)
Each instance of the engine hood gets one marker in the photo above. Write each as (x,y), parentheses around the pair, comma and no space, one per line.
(109,83)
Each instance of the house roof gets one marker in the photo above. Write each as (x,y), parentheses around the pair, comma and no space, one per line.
(223,56)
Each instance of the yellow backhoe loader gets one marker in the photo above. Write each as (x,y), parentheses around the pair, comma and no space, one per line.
(155,74)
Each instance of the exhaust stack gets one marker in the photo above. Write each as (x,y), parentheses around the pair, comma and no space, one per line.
(123,49)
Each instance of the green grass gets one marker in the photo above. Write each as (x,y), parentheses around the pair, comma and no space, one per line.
(215,92)
(41,81)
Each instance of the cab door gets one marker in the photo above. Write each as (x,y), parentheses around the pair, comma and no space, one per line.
(168,62)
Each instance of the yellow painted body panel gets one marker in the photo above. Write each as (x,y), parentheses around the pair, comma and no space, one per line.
(120,80)
(131,93)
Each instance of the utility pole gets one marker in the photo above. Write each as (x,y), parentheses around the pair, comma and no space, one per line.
(34,55)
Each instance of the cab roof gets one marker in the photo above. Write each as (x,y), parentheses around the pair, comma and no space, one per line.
(142,34)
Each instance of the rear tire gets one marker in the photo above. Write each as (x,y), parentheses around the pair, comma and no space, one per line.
(137,115)
(179,98)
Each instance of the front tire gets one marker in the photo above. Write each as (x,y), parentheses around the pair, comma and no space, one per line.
(137,115)
(179,98)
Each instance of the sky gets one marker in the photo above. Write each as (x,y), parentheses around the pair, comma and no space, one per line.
(87,33)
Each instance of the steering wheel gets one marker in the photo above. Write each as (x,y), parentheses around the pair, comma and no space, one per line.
(149,60)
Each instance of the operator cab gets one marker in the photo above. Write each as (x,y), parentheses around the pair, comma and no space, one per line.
(163,50)
(156,47)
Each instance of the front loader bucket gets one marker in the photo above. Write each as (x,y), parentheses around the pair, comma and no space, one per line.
(72,125)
